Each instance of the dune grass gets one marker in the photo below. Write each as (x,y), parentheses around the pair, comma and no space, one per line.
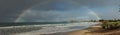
(111,25)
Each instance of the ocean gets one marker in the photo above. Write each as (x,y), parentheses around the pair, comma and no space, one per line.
(44,28)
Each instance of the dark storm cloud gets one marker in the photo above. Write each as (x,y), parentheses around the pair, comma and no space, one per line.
(59,5)
(10,9)
(72,10)
(49,10)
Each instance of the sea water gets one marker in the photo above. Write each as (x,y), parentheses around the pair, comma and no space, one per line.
(56,28)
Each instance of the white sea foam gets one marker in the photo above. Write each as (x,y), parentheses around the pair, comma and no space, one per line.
(55,28)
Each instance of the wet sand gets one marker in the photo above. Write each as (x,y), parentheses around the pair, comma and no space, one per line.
(94,30)
(78,32)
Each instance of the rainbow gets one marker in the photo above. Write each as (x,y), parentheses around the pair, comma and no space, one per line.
(28,10)
(95,14)
(18,19)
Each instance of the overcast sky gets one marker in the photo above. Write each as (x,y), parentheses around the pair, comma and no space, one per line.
(58,10)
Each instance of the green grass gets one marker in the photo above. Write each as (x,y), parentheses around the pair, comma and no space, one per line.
(111,25)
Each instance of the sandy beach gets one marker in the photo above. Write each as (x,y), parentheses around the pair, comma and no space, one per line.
(95,30)
(87,31)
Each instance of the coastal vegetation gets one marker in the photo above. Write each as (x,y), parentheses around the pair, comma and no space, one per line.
(110,24)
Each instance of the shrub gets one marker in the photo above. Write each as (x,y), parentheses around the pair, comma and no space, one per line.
(110,25)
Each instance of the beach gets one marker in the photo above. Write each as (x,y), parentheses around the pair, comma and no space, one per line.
(88,31)
(59,29)
(85,31)
(95,30)
(88,28)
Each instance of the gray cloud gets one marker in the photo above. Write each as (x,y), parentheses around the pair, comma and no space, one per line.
(10,9)
(48,10)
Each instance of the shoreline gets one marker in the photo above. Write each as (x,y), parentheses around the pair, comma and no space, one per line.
(67,33)
(95,30)
(85,31)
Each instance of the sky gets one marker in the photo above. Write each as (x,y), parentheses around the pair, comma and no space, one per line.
(58,10)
